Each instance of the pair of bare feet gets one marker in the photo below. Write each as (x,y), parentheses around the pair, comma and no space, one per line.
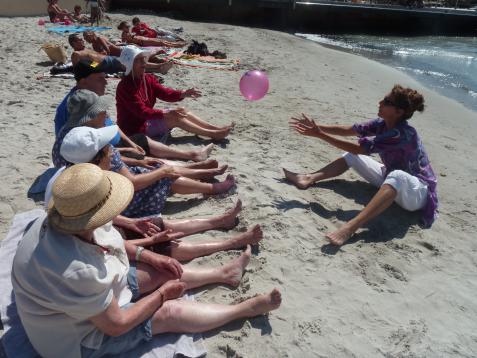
(304,181)
(203,153)
(221,132)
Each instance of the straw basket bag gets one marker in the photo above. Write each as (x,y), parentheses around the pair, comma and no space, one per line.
(55,52)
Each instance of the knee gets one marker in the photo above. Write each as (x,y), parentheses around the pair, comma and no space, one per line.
(169,311)
(350,159)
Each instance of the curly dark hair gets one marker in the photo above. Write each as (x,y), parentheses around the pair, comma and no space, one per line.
(407,99)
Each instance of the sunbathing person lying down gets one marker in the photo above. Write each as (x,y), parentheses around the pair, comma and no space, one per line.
(142,41)
(109,64)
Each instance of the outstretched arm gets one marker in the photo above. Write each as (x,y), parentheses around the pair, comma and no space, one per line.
(308,127)
(341,130)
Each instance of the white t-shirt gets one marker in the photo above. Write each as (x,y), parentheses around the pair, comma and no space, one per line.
(60,282)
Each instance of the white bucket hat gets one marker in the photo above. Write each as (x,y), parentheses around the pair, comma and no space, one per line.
(81,144)
(128,54)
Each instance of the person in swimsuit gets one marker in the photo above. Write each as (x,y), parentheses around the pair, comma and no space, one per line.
(57,14)
(109,64)
(142,41)
(101,44)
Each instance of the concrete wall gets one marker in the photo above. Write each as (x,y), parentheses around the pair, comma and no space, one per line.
(33,7)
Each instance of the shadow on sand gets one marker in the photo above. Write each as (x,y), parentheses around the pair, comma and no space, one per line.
(393,223)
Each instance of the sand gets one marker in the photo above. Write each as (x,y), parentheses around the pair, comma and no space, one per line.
(395,290)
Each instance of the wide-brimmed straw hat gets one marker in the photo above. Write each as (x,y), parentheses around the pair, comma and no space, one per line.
(128,54)
(84,197)
(83,106)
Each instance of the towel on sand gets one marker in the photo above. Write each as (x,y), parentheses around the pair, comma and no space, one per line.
(75,28)
(15,340)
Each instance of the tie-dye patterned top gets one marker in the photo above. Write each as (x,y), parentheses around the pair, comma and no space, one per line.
(401,148)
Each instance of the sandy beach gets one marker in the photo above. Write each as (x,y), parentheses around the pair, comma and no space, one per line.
(395,290)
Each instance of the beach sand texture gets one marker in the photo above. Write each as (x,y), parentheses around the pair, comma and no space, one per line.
(395,291)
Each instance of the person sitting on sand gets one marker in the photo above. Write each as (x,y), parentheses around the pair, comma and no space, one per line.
(90,77)
(78,16)
(57,14)
(144,41)
(101,44)
(152,187)
(91,145)
(405,176)
(76,293)
(109,64)
(136,96)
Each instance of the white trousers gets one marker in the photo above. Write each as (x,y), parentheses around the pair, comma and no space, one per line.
(411,192)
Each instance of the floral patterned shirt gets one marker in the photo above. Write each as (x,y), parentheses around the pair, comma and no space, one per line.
(401,148)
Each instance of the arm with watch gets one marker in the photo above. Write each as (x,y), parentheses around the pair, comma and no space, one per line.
(115,321)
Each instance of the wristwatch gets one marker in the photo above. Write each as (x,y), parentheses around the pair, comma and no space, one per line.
(139,250)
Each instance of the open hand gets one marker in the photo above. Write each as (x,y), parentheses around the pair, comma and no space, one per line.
(165,263)
(145,227)
(166,235)
(192,93)
(150,163)
(172,289)
(305,126)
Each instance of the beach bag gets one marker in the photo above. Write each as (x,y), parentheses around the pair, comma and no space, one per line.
(55,52)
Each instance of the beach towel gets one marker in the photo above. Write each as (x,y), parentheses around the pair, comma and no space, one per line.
(76,28)
(15,340)
(180,58)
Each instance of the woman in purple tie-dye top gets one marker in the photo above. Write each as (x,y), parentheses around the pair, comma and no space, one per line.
(405,175)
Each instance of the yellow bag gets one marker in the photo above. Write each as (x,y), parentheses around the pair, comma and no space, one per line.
(55,52)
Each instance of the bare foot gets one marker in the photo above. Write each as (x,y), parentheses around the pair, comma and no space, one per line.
(220,134)
(262,304)
(230,216)
(226,185)
(233,271)
(203,153)
(251,237)
(221,170)
(206,164)
(301,181)
(340,236)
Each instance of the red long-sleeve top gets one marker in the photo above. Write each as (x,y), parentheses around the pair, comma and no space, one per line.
(135,102)
(143,30)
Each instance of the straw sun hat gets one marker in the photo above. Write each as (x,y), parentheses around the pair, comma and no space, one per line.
(86,197)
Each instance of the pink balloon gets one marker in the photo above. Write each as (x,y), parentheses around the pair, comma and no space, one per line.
(254,85)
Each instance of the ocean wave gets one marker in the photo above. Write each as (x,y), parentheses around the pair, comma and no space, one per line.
(423,72)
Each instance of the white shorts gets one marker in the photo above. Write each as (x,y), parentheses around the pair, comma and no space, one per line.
(411,191)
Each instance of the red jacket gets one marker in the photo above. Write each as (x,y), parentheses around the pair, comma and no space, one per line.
(135,102)
(143,30)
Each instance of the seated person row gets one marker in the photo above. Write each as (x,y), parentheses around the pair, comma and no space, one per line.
(91,77)
(136,96)
(108,60)
(76,292)
(91,145)
(86,108)
(143,41)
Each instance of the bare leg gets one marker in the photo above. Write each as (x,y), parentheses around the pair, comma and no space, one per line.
(185,251)
(189,186)
(164,151)
(200,173)
(194,317)
(303,181)
(196,120)
(150,278)
(194,226)
(380,202)
(187,125)
(229,274)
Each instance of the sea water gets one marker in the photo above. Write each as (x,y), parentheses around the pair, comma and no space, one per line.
(445,64)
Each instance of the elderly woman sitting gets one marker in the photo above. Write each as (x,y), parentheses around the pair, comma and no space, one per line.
(74,286)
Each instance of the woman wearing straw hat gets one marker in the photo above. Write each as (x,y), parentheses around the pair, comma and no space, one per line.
(74,286)
(152,187)
(85,144)
(136,96)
